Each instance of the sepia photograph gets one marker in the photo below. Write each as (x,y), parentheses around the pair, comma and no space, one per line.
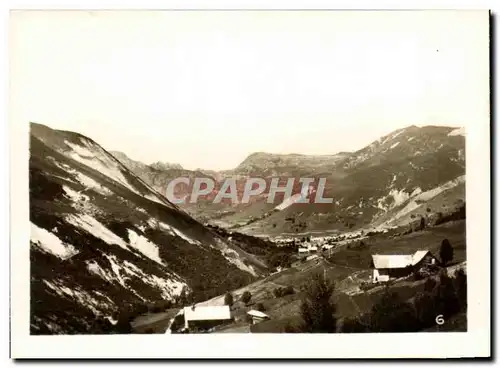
(253,173)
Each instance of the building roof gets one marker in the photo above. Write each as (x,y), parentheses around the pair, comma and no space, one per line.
(256,313)
(419,255)
(398,260)
(207,313)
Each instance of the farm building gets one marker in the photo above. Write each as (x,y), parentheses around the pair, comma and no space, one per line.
(312,256)
(306,251)
(390,266)
(257,316)
(204,318)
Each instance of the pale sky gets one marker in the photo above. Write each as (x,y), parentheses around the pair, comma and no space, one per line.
(206,89)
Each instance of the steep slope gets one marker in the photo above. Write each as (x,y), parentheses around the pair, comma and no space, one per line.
(159,175)
(103,239)
(371,186)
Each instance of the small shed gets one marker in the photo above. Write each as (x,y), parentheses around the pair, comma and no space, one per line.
(257,316)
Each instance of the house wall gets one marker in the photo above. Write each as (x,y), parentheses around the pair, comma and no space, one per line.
(400,272)
(256,320)
(204,325)
(380,275)
(385,274)
(426,261)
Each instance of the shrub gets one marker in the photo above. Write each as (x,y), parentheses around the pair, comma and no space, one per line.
(228,299)
(446,252)
(123,325)
(445,297)
(425,309)
(422,223)
(245,298)
(460,284)
(391,314)
(288,290)
(291,328)
(417,276)
(356,325)
(429,284)
(317,310)
(260,307)
(277,292)
(156,309)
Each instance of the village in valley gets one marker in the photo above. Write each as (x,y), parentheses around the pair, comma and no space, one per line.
(359,264)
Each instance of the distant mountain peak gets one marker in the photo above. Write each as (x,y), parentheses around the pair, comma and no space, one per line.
(166,166)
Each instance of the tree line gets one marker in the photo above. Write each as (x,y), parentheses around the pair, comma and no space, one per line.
(442,296)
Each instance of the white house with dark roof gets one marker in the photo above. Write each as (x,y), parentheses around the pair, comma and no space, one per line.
(390,266)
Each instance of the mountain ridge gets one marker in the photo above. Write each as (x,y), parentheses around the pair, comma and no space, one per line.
(371,179)
(103,240)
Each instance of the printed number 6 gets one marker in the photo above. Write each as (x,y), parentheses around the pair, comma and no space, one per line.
(440,319)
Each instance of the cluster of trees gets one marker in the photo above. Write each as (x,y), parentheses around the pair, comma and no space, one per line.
(359,246)
(437,219)
(273,256)
(283,291)
(444,296)
(280,259)
(458,214)
(245,298)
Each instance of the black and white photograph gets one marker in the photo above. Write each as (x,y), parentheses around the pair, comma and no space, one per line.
(252,173)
